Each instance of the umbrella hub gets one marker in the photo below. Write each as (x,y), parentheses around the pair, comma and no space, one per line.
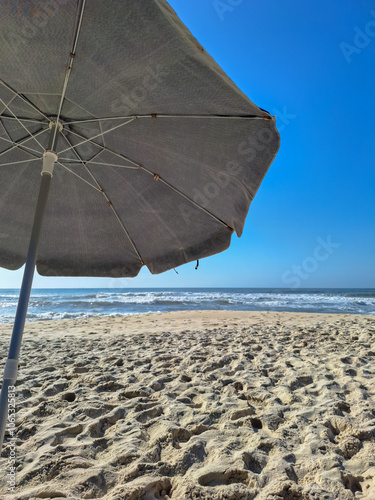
(55,124)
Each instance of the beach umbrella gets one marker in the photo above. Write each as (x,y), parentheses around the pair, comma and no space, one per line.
(150,154)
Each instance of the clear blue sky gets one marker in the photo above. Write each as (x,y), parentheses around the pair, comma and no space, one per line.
(312,222)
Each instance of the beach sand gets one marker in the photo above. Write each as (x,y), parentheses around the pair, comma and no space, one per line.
(196,405)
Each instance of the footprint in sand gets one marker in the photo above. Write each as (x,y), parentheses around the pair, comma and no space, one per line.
(255,461)
(99,427)
(223,477)
(151,412)
(66,433)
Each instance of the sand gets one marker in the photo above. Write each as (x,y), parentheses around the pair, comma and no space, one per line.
(196,405)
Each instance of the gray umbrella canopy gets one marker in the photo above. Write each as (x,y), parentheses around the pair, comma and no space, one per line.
(156,155)
(159,153)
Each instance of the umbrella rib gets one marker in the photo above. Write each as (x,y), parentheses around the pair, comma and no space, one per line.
(216,117)
(41,130)
(18,162)
(26,149)
(101,130)
(103,148)
(69,68)
(69,160)
(79,177)
(20,143)
(5,117)
(23,98)
(106,149)
(6,131)
(116,215)
(162,223)
(138,165)
(9,103)
(101,190)
(79,159)
(22,125)
(197,205)
(40,93)
(32,152)
(219,117)
(157,177)
(96,136)
(81,107)
(95,119)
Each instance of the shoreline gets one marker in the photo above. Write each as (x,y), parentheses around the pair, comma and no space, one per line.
(193,315)
(196,404)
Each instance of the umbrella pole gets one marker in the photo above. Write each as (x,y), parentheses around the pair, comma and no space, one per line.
(11,365)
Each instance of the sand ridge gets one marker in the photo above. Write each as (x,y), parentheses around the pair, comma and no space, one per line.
(196,405)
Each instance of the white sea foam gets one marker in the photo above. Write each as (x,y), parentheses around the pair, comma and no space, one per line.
(82,303)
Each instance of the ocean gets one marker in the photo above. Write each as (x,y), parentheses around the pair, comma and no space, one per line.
(50,304)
